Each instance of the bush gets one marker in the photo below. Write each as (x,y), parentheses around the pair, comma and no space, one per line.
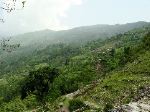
(30,102)
(75,104)
(13,106)
(108,107)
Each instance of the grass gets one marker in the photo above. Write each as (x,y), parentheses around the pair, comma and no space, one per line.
(120,87)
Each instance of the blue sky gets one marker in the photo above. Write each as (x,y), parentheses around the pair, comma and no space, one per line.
(109,12)
(66,14)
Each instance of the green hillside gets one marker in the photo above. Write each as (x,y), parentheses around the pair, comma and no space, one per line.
(95,76)
(39,44)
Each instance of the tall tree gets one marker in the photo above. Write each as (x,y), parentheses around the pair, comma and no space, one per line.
(9,6)
(6,46)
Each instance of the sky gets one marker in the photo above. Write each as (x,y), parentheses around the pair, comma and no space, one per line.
(66,14)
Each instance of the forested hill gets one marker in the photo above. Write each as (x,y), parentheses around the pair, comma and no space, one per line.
(44,46)
(95,76)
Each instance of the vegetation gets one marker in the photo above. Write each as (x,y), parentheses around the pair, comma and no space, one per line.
(38,82)
(116,67)
(9,6)
(108,107)
(146,41)
(75,104)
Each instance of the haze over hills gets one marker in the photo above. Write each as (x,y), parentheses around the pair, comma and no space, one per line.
(79,34)
(41,40)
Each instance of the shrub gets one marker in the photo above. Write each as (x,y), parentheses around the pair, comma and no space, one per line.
(13,106)
(75,104)
(108,107)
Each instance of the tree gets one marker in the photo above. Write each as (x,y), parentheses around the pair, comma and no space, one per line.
(146,41)
(126,55)
(6,46)
(9,6)
(38,83)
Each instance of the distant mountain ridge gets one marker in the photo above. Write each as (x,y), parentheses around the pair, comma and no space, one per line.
(79,34)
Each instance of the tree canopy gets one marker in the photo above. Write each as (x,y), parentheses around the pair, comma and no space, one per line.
(38,82)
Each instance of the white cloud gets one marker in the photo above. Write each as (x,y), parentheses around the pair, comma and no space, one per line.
(37,15)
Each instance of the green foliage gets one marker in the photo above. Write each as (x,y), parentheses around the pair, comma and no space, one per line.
(121,86)
(146,41)
(75,104)
(108,107)
(30,102)
(38,82)
(13,106)
(10,86)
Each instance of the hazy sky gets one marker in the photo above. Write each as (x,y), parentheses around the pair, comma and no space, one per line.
(64,14)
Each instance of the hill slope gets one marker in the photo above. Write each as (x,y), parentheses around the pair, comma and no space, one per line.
(98,75)
(34,42)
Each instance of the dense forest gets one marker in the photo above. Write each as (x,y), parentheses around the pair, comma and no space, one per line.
(95,68)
